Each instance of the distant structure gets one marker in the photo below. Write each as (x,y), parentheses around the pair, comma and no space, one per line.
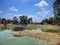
(30,21)
(44,23)
(56,7)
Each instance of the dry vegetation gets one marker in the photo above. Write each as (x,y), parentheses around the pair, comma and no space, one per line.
(53,38)
(55,27)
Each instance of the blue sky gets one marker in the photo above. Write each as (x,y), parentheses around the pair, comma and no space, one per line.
(37,9)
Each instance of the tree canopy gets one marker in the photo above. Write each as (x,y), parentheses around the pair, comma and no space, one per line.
(56,7)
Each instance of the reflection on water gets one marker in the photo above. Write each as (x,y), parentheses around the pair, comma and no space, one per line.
(6,38)
(3,28)
(6,28)
(37,30)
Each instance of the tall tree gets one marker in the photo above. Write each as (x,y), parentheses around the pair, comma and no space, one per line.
(50,20)
(3,21)
(15,20)
(56,7)
(23,19)
(0,20)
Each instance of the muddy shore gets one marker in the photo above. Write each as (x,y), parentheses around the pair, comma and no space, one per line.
(53,38)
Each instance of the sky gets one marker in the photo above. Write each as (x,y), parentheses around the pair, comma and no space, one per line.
(37,9)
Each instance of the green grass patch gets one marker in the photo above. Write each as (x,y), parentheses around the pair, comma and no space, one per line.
(50,30)
(43,30)
(32,27)
(19,35)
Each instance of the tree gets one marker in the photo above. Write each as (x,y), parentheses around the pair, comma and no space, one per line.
(49,21)
(15,20)
(23,19)
(3,21)
(0,20)
(9,21)
(56,7)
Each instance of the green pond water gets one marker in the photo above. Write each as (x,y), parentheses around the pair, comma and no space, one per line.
(6,38)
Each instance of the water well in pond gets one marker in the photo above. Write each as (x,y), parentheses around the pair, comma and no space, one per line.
(6,38)
(19,28)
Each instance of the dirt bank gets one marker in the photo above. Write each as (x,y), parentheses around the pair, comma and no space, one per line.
(53,38)
(54,27)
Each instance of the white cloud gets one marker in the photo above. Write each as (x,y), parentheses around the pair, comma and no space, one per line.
(30,16)
(43,3)
(43,13)
(10,16)
(1,11)
(35,18)
(13,9)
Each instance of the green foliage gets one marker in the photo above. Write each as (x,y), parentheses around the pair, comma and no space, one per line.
(49,21)
(23,19)
(50,30)
(56,7)
(15,20)
(29,28)
(9,21)
(18,35)
(3,21)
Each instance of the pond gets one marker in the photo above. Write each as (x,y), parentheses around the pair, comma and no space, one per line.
(6,38)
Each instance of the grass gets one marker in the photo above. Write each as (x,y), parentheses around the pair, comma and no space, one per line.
(32,27)
(43,30)
(29,28)
(19,35)
(50,30)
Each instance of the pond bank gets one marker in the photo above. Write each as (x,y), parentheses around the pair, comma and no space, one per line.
(33,26)
(53,38)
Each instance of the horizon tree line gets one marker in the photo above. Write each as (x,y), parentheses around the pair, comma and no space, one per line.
(15,20)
